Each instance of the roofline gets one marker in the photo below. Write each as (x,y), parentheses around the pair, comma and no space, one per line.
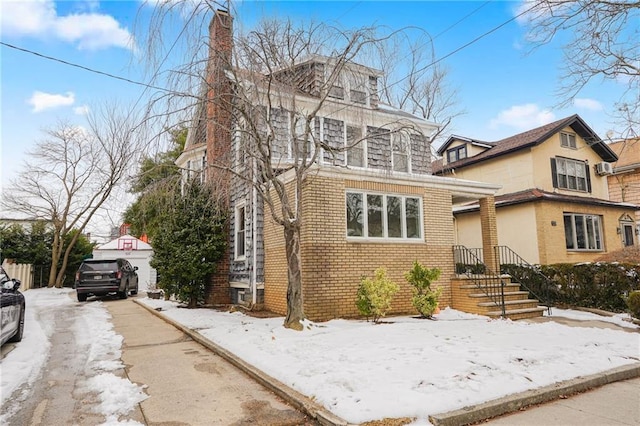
(569,121)
(453,138)
(546,196)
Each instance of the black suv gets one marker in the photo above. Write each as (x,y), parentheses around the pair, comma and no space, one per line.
(99,277)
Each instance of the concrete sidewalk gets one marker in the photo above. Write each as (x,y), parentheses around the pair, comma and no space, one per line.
(188,384)
(614,404)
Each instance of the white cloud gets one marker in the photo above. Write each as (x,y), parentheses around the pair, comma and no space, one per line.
(39,19)
(42,101)
(522,117)
(81,110)
(588,104)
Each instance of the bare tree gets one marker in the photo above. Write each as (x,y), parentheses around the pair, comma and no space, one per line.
(414,80)
(269,95)
(603,43)
(70,175)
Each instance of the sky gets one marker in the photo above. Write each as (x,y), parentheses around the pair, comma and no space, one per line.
(503,87)
(406,367)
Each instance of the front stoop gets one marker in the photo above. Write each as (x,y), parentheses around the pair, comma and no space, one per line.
(468,297)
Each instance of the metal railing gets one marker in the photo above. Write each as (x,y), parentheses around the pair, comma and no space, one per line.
(469,262)
(528,276)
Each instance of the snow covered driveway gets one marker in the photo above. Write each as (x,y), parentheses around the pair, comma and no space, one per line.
(67,369)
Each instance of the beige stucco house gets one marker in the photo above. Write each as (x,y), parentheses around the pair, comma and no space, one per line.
(624,185)
(554,204)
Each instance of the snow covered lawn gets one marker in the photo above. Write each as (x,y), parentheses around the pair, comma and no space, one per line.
(410,367)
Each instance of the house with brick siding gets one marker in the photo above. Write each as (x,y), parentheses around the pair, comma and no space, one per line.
(554,205)
(624,185)
(368,200)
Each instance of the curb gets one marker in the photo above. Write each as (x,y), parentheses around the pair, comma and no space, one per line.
(511,403)
(293,397)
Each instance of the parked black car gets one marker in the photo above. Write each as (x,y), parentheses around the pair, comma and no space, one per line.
(13,306)
(99,277)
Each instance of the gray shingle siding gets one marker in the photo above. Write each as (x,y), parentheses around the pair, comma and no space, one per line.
(420,154)
(378,148)
(333,133)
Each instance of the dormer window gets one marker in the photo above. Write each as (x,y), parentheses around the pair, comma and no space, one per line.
(358,97)
(457,153)
(568,140)
(336,92)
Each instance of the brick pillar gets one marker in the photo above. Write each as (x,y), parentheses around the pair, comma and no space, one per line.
(489,232)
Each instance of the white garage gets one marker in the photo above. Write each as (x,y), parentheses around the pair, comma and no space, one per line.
(137,252)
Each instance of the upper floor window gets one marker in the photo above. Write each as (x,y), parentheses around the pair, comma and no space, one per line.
(358,96)
(355,146)
(400,152)
(571,174)
(457,153)
(383,216)
(583,232)
(240,234)
(568,140)
(336,92)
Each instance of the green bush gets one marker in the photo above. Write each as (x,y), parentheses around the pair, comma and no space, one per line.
(424,299)
(633,302)
(375,294)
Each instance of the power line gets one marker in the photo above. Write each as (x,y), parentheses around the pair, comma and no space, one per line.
(82,67)
(453,52)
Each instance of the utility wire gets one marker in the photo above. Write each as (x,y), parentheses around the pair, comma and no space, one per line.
(148,86)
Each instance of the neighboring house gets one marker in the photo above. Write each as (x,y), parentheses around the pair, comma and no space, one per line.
(624,185)
(137,252)
(376,205)
(554,203)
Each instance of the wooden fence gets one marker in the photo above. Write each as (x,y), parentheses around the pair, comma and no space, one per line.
(20,271)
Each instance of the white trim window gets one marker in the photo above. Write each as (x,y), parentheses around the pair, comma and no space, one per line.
(355,151)
(400,152)
(568,140)
(240,227)
(583,232)
(302,146)
(382,216)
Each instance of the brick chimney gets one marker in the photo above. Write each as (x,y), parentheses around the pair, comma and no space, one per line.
(218,134)
(219,95)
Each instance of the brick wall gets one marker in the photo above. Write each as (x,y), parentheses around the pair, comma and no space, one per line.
(553,247)
(332,266)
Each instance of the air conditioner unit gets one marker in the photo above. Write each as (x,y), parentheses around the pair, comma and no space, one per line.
(604,168)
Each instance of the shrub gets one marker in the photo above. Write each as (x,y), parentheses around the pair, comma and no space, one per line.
(633,302)
(424,299)
(375,294)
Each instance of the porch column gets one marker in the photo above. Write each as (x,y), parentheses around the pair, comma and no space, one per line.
(489,232)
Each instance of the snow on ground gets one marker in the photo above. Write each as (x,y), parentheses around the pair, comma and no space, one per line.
(622,320)
(409,367)
(94,335)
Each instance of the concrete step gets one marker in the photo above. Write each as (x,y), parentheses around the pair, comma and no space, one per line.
(517,314)
(510,304)
(512,295)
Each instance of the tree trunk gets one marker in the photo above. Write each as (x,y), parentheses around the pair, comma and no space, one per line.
(295,308)
(56,248)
